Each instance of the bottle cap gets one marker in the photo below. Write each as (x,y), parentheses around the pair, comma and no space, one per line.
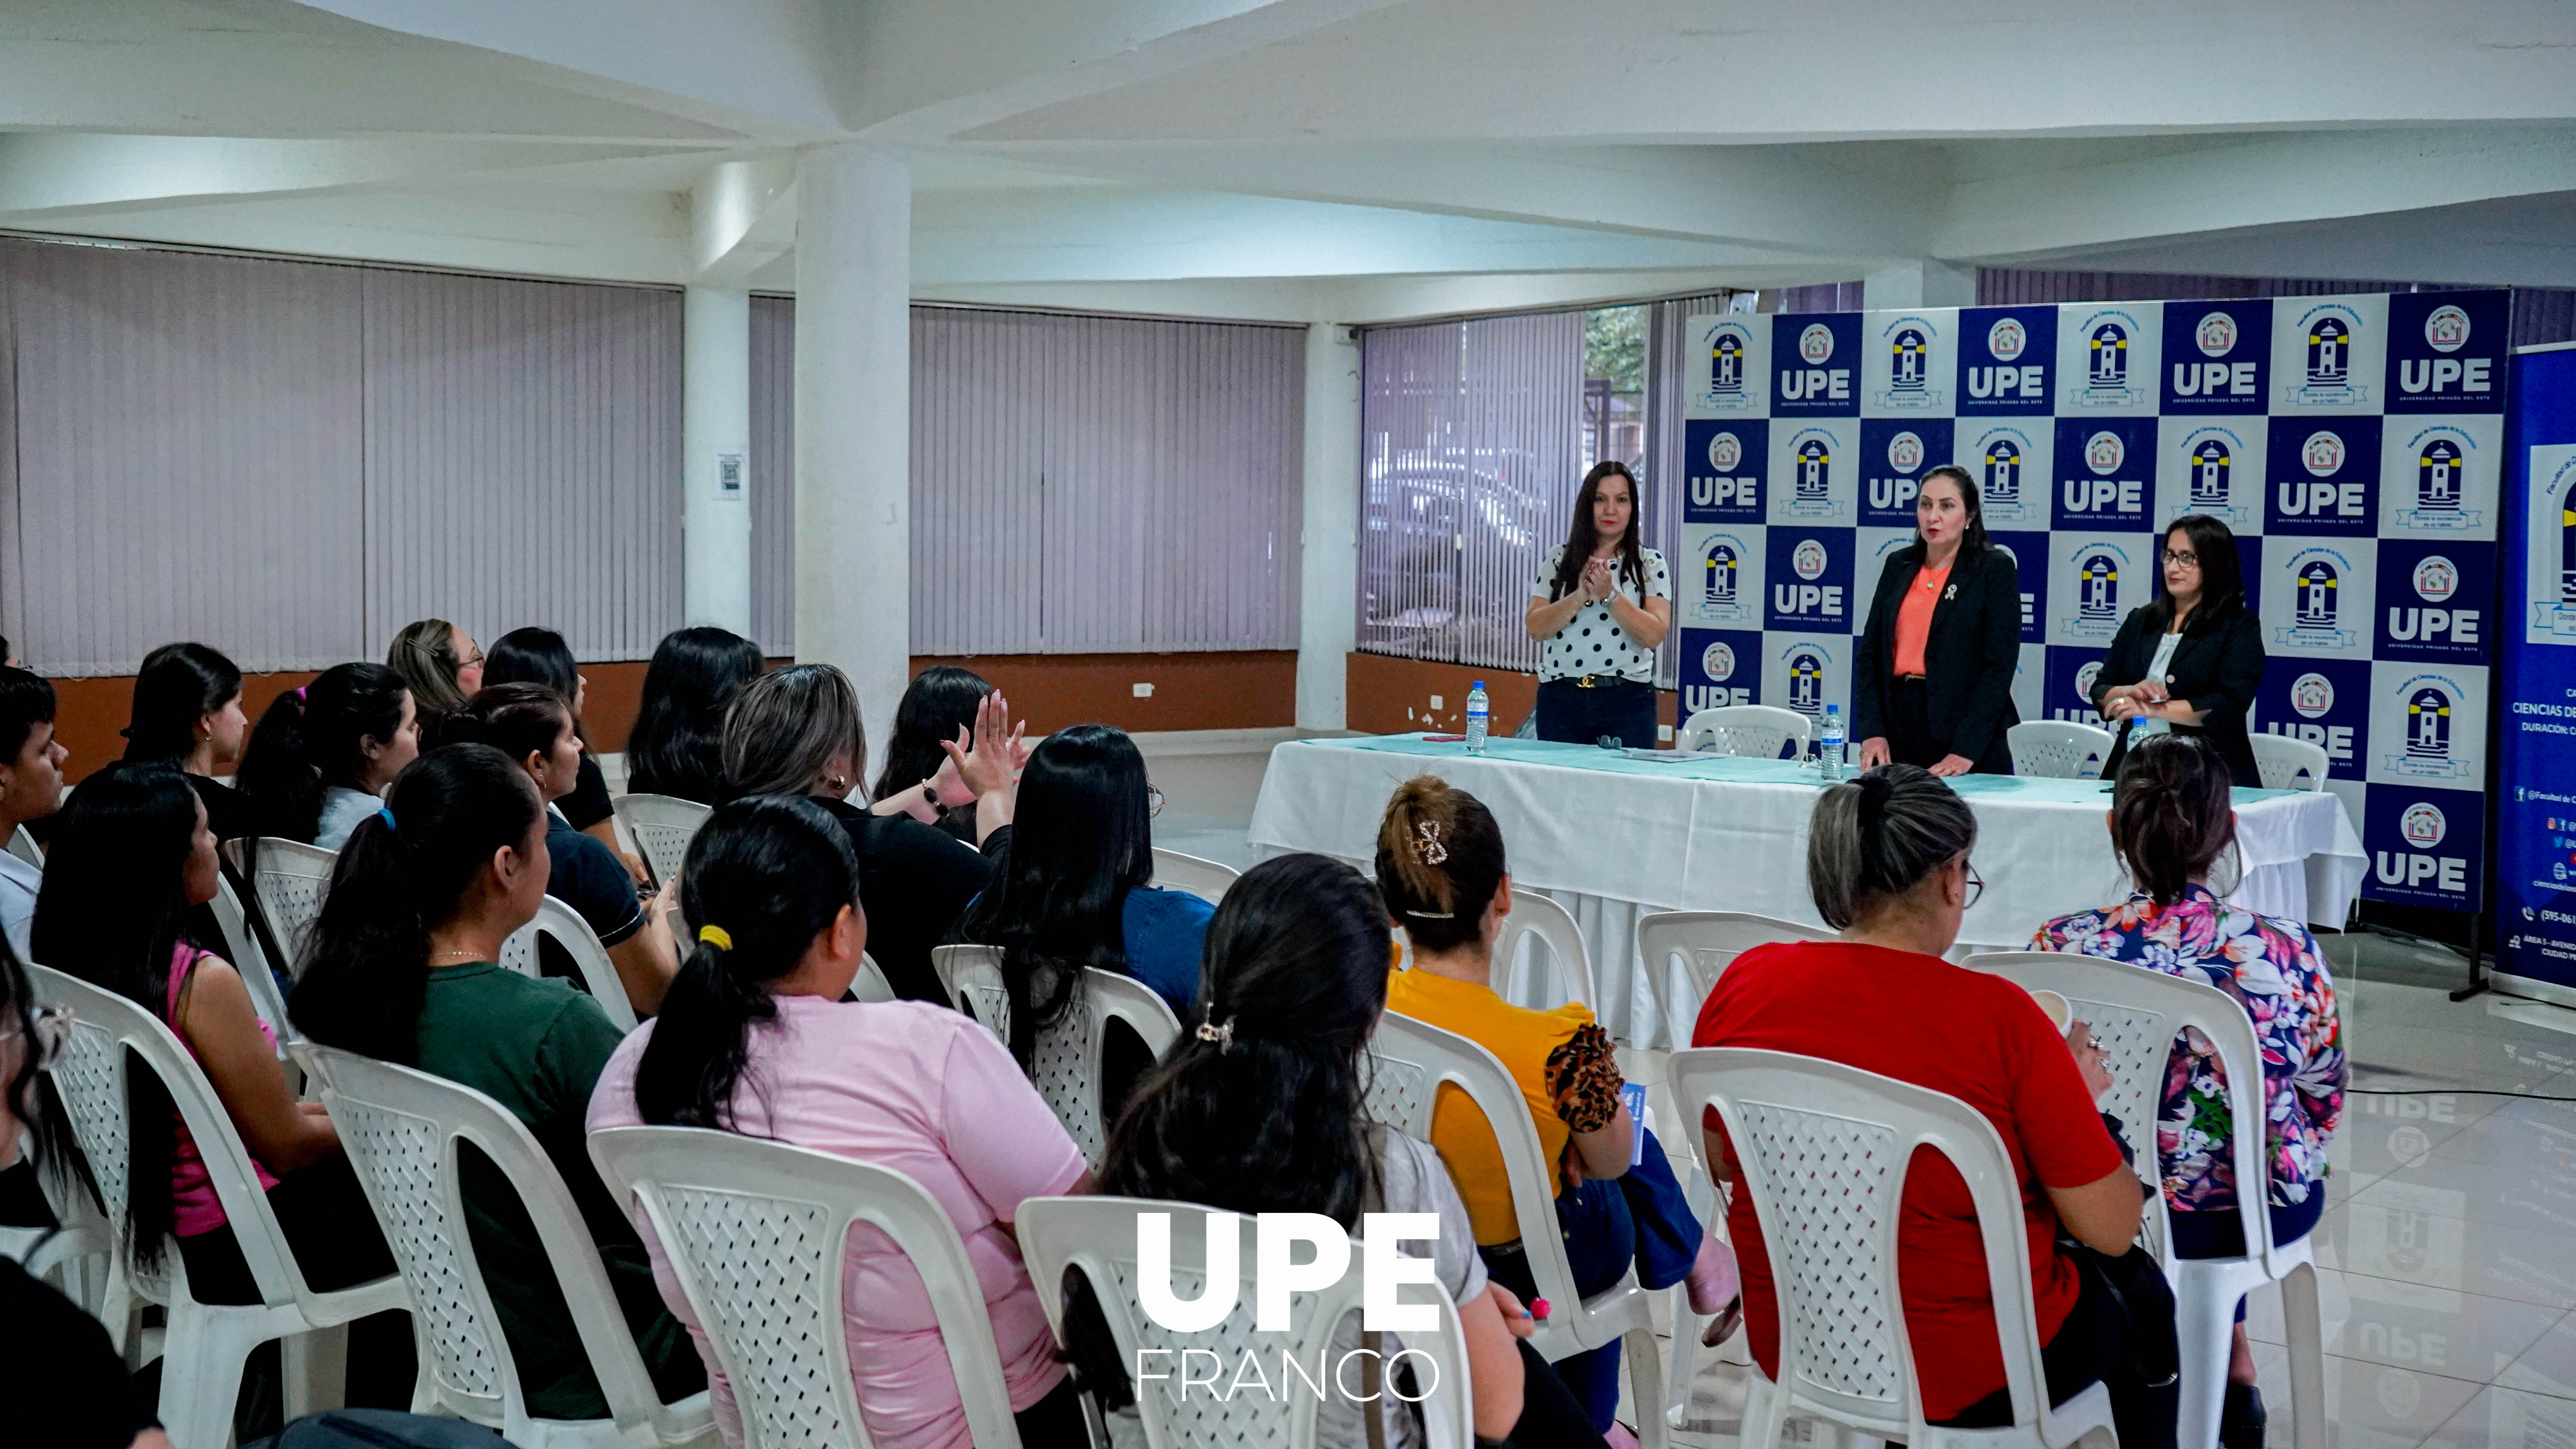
(1475,684)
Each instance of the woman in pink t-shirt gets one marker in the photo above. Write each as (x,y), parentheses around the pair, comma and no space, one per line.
(755,1038)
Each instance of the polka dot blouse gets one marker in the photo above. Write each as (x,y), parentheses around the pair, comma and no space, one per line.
(1592,641)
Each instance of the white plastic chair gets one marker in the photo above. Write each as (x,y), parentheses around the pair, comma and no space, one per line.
(1065,1062)
(1536,915)
(206,1344)
(1824,1149)
(403,1129)
(1748,731)
(2052,749)
(1207,879)
(24,846)
(1706,942)
(757,1234)
(290,881)
(871,984)
(1409,1060)
(78,1257)
(2135,1014)
(661,827)
(242,949)
(2282,761)
(1098,1237)
(598,974)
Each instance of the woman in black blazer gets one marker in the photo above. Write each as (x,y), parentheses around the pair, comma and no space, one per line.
(2206,683)
(1932,684)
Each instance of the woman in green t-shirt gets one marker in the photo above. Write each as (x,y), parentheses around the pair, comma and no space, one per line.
(404,968)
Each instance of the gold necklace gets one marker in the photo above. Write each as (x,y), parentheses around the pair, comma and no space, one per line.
(459,955)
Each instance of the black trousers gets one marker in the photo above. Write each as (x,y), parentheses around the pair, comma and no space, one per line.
(1914,739)
(1572,714)
(333,1233)
(2120,1334)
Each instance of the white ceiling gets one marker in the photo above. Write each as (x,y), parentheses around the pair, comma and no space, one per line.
(1350,159)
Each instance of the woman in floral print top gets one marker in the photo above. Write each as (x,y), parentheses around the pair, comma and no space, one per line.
(2171,820)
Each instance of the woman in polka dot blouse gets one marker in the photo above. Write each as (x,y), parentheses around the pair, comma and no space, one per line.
(1602,604)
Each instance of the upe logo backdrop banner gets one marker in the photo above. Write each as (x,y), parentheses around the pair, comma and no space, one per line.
(2354,445)
(2536,816)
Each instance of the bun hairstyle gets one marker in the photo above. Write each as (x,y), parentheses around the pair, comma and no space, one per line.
(178,685)
(2171,814)
(403,873)
(1261,1106)
(516,719)
(1876,837)
(1439,861)
(763,878)
(309,739)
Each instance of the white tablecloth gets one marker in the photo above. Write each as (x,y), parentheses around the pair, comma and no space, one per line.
(1614,838)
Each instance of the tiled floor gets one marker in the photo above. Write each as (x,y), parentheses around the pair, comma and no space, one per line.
(2448,1254)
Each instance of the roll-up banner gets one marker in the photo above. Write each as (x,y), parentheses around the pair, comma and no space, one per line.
(2536,784)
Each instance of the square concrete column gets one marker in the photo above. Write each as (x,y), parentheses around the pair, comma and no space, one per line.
(1920,283)
(1328,572)
(715,413)
(853,423)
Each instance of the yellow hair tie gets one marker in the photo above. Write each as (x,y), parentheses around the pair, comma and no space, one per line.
(716,936)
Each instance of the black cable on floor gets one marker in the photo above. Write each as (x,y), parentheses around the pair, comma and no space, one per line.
(2448,1091)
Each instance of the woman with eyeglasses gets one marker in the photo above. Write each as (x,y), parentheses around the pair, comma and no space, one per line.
(2191,660)
(1887,863)
(1074,885)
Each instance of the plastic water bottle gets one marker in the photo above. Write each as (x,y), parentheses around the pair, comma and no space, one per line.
(1477,711)
(1829,745)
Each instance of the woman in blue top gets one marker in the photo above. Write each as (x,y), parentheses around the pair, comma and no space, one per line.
(1073,887)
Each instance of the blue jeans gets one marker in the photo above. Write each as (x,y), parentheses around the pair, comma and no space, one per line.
(1642,1218)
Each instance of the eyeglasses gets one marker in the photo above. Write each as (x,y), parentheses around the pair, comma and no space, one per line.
(53,1032)
(2184,557)
(1976,885)
(1153,802)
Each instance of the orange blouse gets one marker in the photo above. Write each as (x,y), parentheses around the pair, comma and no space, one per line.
(1914,617)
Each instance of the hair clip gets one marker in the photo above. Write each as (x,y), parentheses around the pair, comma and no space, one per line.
(1427,848)
(1223,1036)
(299,691)
(385,813)
(1431,915)
(716,936)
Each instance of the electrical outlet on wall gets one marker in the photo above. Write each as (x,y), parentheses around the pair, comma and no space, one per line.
(1435,702)
(1144,691)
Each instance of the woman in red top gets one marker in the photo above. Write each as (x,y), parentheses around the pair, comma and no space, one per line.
(1887,863)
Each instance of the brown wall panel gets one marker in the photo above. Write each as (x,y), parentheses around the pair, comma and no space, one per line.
(1391,695)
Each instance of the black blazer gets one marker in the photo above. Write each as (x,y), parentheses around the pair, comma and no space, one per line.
(1968,657)
(2215,669)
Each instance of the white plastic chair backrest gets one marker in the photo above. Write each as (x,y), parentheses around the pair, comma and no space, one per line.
(2055,749)
(1065,1062)
(661,826)
(1748,731)
(1408,1062)
(91,1078)
(290,879)
(871,984)
(1569,961)
(242,949)
(403,1129)
(1707,942)
(1098,1236)
(756,1232)
(2135,1014)
(1207,879)
(1824,1148)
(24,846)
(598,973)
(2288,764)
(972,976)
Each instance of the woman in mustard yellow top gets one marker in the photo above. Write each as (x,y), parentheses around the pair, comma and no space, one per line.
(1440,866)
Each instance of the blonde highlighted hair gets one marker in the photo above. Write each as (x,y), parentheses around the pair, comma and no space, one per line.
(1439,861)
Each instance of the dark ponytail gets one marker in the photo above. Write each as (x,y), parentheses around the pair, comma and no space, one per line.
(312,738)
(2171,814)
(1875,837)
(765,876)
(517,719)
(404,872)
(178,685)
(1439,861)
(1270,1115)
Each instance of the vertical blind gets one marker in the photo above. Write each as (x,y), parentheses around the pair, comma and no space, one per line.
(1471,452)
(290,460)
(1080,484)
